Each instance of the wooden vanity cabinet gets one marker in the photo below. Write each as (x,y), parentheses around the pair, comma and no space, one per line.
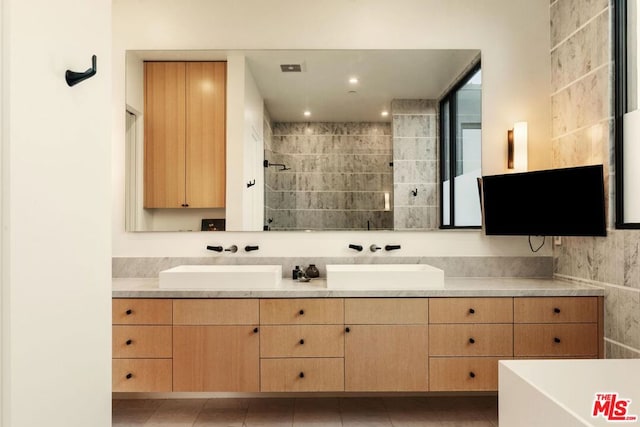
(557,327)
(184,134)
(467,338)
(386,344)
(302,344)
(141,345)
(216,345)
(342,344)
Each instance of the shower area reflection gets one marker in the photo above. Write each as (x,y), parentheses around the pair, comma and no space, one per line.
(334,176)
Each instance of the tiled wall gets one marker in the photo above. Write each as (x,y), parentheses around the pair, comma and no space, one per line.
(339,173)
(582,132)
(415,164)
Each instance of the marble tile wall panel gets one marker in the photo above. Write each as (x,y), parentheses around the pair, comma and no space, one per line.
(583,133)
(332,220)
(416,217)
(415,148)
(616,351)
(583,104)
(414,106)
(587,50)
(415,171)
(453,266)
(427,195)
(569,15)
(412,126)
(333,166)
(331,128)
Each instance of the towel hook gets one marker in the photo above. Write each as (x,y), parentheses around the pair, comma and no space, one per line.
(73,78)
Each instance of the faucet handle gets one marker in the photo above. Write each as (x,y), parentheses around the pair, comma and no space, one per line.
(355,247)
(215,248)
(391,247)
(251,248)
(374,248)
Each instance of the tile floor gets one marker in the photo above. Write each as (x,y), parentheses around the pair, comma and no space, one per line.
(316,412)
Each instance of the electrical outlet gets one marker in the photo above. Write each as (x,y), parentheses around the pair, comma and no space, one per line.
(557,240)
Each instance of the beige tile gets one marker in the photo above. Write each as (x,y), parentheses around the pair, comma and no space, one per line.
(317,418)
(131,417)
(269,419)
(215,417)
(227,403)
(176,413)
(137,403)
(271,405)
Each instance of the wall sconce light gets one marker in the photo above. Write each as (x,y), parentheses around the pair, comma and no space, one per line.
(517,147)
(387,204)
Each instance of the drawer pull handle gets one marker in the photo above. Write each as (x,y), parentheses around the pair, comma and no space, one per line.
(472,311)
(301,312)
(129,312)
(347,329)
(301,374)
(472,341)
(472,374)
(556,310)
(301,342)
(129,375)
(556,340)
(255,330)
(129,342)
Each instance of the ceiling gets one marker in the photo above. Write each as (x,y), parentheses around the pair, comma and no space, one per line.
(323,86)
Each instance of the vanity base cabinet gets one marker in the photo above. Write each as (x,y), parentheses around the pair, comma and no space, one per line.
(342,344)
(386,358)
(386,344)
(302,374)
(216,358)
(148,375)
(463,373)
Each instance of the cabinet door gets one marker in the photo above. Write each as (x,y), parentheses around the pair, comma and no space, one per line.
(216,358)
(206,134)
(164,134)
(386,358)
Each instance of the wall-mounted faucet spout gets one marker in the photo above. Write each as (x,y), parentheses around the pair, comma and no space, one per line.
(282,166)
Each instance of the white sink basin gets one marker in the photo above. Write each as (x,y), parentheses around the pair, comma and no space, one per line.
(384,276)
(239,277)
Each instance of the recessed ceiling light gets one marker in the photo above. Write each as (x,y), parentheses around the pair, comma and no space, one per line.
(353,80)
(307,113)
(384,113)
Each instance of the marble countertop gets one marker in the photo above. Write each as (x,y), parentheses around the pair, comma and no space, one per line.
(454,287)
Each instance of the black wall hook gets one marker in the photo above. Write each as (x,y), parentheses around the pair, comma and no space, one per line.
(251,183)
(414,192)
(74,78)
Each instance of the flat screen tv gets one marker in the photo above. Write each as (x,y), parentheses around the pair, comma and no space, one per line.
(558,202)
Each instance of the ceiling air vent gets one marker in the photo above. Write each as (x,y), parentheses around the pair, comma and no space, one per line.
(291,68)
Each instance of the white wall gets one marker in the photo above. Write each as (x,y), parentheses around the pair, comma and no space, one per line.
(56,219)
(513,37)
(253,205)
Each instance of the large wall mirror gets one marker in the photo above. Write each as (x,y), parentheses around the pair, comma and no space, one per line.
(313,140)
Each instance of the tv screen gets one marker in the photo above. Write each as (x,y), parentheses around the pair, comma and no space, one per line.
(558,202)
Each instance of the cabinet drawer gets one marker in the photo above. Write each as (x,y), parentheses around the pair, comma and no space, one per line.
(322,374)
(302,341)
(310,311)
(386,311)
(141,375)
(130,342)
(579,339)
(471,340)
(471,310)
(141,311)
(463,373)
(215,312)
(556,310)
